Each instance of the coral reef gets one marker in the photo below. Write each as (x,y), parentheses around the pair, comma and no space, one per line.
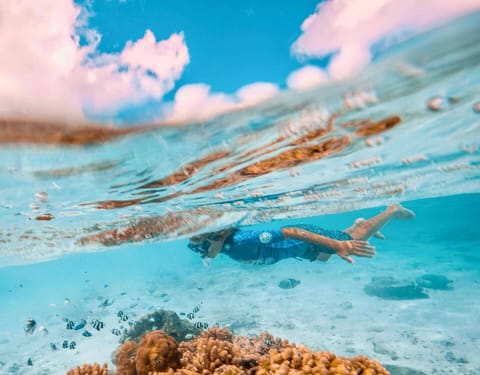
(216,351)
(164,320)
(94,369)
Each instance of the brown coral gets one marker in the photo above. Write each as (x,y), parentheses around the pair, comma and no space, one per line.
(156,352)
(295,360)
(94,369)
(209,351)
(125,358)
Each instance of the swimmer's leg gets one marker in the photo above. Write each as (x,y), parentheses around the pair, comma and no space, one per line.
(363,230)
(357,224)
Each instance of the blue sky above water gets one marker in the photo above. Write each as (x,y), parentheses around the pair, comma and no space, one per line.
(231,43)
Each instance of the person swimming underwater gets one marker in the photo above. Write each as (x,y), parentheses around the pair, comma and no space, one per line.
(297,241)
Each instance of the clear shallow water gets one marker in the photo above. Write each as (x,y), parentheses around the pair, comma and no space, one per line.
(278,161)
(329,309)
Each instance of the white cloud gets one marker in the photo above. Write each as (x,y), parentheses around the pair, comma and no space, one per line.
(196,102)
(256,92)
(44,71)
(350,27)
(306,78)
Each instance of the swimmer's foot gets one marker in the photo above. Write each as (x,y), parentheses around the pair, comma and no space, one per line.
(401,212)
(379,235)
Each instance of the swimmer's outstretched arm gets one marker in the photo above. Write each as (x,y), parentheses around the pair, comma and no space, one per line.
(342,248)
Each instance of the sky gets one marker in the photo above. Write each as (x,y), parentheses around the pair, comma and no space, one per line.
(181,60)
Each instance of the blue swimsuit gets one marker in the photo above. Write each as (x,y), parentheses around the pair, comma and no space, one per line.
(269,246)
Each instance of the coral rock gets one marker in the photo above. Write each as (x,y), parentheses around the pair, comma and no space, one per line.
(164,320)
(157,352)
(125,359)
(94,369)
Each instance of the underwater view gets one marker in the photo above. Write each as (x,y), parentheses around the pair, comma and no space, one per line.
(325,227)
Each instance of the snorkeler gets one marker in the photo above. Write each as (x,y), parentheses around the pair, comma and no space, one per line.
(297,241)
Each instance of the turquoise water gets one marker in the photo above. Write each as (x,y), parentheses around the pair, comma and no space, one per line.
(269,170)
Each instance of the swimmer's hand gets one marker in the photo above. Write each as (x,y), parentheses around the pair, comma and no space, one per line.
(354,247)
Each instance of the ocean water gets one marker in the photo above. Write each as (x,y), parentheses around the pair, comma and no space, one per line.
(86,223)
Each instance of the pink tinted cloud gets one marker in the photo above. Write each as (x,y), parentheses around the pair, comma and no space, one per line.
(256,93)
(306,78)
(45,72)
(197,102)
(350,27)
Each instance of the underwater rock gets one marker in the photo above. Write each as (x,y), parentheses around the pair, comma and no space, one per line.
(401,370)
(390,289)
(431,281)
(381,348)
(165,320)
(288,283)
(451,357)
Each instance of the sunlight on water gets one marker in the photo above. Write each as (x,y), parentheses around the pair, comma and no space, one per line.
(408,128)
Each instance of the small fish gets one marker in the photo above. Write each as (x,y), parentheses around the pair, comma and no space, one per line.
(53,346)
(198,325)
(80,325)
(107,302)
(43,330)
(196,309)
(205,325)
(125,318)
(120,314)
(182,314)
(268,341)
(65,320)
(98,324)
(190,316)
(70,324)
(66,301)
(123,293)
(116,332)
(152,320)
(30,325)
(65,344)
(29,362)
(86,334)
(72,345)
